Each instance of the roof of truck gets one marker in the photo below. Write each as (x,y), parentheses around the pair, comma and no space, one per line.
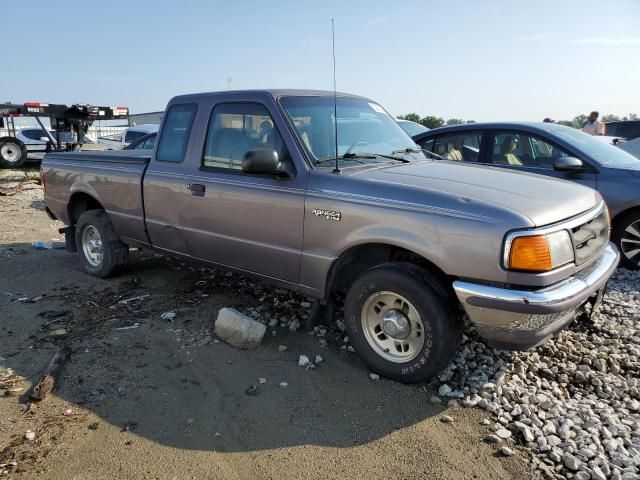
(274,92)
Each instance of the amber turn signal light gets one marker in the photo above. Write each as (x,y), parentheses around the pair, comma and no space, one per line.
(531,254)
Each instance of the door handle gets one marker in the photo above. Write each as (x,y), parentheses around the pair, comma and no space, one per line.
(197,189)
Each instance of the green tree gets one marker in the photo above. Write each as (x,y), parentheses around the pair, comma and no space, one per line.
(455,121)
(412,117)
(470,121)
(432,122)
(632,116)
(610,118)
(579,121)
(566,123)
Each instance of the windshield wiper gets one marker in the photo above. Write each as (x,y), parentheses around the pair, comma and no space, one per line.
(429,153)
(355,156)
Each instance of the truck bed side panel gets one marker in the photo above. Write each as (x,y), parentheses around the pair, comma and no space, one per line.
(113,181)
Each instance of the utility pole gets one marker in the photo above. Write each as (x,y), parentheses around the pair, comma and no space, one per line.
(229,83)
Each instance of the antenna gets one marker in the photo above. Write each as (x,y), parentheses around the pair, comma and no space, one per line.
(335,100)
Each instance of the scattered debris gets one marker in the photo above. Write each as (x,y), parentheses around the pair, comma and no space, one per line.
(283,384)
(282,348)
(303,361)
(30,435)
(93,426)
(318,360)
(168,316)
(262,380)
(51,374)
(42,245)
(134,299)
(67,412)
(10,191)
(129,426)
(239,330)
(58,332)
(128,327)
(252,391)
(52,314)
(374,376)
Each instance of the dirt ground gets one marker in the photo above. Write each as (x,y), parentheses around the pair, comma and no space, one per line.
(166,400)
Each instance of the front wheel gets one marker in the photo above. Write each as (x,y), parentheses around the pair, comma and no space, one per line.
(401,323)
(626,236)
(13,153)
(101,251)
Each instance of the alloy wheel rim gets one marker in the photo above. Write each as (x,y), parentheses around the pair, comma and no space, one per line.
(392,327)
(92,245)
(630,242)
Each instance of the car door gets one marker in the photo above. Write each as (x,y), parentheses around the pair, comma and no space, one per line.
(249,222)
(529,152)
(164,179)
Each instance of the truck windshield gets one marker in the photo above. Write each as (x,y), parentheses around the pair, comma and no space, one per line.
(366,132)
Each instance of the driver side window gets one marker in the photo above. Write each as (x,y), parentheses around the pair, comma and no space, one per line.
(525,150)
(236,128)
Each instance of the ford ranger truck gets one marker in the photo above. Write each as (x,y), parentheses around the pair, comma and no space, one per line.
(256,182)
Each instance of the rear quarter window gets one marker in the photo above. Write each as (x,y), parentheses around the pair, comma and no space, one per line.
(176,129)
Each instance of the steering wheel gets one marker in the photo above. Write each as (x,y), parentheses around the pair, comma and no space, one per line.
(348,150)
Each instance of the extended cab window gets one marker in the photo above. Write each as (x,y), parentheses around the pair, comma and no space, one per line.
(236,128)
(463,146)
(132,136)
(175,133)
(525,150)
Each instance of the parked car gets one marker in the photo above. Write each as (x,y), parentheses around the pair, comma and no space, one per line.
(557,151)
(627,129)
(250,181)
(411,128)
(128,135)
(36,141)
(631,146)
(143,143)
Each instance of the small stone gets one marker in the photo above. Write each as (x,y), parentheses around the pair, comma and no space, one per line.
(446,419)
(485,422)
(503,433)
(294,325)
(582,475)
(30,435)
(444,390)
(303,361)
(435,400)
(571,462)
(282,348)
(374,376)
(252,391)
(262,380)
(283,384)
(493,439)
(318,360)
(506,451)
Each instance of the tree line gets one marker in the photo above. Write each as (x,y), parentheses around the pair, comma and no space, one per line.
(578,121)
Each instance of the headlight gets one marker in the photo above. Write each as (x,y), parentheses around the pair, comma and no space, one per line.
(539,253)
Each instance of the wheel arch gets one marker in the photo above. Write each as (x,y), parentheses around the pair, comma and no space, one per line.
(80,202)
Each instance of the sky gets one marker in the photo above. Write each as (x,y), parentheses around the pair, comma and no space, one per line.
(483,60)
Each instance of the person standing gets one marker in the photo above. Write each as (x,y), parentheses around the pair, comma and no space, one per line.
(594,126)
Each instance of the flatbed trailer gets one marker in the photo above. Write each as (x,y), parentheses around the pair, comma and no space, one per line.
(75,119)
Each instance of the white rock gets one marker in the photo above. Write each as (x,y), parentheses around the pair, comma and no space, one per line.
(238,330)
(318,359)
(435,400)
(262,380)
(374,376)
(283,384)
(446,419)
(571,462)
(30,435)
(444,390)
(303,361)
(503,433)
(282,348)
(506,451)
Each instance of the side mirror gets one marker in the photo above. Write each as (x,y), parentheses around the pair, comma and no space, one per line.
(263,160)
(568,164)
(44,139)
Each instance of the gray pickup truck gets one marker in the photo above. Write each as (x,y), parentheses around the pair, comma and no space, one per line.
(249,181)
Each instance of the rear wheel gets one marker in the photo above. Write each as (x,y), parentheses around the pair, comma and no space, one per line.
(13,153)
(100,249)
(401,323)
(626,236)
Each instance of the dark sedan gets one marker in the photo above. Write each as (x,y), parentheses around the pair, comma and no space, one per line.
(556,151)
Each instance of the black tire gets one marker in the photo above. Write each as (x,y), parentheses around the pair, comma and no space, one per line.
(442,324)
(114,253)
(628,257)
(13,152)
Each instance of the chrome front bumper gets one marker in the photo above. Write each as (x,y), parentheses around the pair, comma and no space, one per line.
(521,319)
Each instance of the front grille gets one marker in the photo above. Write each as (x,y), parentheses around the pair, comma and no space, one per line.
(591,238)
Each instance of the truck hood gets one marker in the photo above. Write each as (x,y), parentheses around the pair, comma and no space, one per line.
(543,200)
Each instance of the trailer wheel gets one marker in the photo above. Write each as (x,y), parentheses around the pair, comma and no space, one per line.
(100,249)
(13,153)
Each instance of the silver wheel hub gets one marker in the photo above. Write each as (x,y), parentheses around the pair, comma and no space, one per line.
(630,242)
(392,326)
(10,152)
(92,245)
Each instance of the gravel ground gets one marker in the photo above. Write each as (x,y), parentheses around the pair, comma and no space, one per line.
(574,401)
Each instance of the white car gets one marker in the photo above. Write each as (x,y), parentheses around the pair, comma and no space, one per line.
(36,140)
(131,134)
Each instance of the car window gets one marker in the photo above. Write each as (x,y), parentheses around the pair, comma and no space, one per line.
(526,150)
(463,146)
(236,128)
(33,134)
(149,143)
(132,136)
(427,144)
(175,133)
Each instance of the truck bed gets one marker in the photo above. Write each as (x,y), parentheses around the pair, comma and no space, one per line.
(114,178)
